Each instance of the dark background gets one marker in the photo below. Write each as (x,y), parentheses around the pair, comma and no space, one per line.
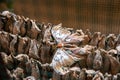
(96,15)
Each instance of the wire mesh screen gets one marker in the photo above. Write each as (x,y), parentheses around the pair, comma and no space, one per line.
(96,15)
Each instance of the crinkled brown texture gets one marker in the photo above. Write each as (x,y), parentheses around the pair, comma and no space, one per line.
(28,48)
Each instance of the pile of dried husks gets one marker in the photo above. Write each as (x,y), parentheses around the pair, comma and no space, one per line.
(30,50)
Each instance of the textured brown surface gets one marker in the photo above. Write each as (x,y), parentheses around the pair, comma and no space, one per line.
(96,15)
(53,52)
